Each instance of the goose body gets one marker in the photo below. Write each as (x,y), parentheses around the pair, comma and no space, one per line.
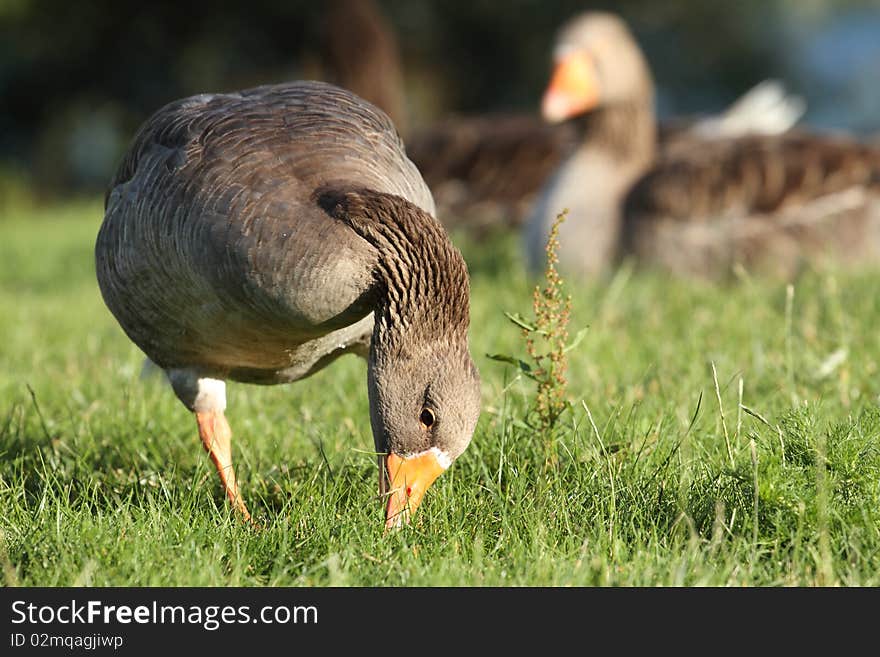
(770,204)
(256,236)
(703,201)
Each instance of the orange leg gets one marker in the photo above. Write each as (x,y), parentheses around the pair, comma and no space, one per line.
(217,438)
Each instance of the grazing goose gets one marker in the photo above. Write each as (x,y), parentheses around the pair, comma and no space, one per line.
(257,236)
(699,205)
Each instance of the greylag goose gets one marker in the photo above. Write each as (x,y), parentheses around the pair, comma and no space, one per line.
(698,205)
(486,171)
(257,236)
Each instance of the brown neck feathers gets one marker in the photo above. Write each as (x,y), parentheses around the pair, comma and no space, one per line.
(422,279)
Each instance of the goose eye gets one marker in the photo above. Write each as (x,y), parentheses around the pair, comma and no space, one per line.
(427,418)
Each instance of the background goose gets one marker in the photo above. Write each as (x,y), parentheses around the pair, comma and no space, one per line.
(257,236)
(697,204)
(486,171)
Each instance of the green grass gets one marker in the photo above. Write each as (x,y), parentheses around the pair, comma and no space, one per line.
(103,480)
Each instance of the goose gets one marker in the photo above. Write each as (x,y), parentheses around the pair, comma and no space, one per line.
(702,204)
(486,171)
(257,236)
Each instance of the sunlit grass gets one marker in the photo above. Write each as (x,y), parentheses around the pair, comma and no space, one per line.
(103,480)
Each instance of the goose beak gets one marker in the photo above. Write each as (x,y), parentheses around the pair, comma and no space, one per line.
(573,88)
(410,477)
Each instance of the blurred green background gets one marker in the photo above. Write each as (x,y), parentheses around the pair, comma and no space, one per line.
(77,78)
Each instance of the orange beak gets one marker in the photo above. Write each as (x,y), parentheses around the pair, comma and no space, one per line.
(410,478)
(573,89)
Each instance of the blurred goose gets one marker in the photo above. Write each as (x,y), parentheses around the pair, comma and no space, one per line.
(486,171)
(698,205)
(257,236)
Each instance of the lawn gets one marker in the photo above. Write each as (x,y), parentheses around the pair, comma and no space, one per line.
(657,475)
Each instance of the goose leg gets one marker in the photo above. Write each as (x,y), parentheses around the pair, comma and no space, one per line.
(206,398)
(217,438)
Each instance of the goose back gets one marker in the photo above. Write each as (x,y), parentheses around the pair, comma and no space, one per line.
(767,202)
(485,171)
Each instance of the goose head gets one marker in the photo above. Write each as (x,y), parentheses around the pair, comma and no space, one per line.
(423,386)
(597,62)
(424,406)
